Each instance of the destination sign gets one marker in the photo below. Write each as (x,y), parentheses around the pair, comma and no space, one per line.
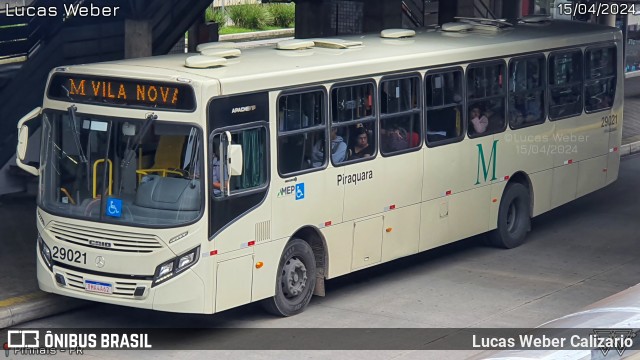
(121,92)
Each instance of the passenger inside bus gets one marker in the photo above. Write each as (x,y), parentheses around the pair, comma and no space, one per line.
(394,138)
(526,110)
(479,121)
(338,150)
(215,167)
(361,149)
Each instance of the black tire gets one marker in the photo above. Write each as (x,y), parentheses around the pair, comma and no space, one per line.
(514,220)
(295,281)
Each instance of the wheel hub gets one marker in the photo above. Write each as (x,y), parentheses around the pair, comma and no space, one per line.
(294,277)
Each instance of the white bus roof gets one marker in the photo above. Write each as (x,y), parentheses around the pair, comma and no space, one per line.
(269,68)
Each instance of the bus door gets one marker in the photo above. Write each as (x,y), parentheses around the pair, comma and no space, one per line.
(303,191)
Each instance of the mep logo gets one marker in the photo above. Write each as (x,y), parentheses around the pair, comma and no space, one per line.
(23,339)
(619,339)
(287,190)
(487,165)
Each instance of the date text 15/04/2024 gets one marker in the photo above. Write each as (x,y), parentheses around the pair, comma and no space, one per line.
(596,9)
(67,10)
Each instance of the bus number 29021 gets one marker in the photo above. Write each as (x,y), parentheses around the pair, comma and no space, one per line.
(609,120)
(69,255)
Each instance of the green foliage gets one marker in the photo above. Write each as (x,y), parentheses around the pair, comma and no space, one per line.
(283,14)
(253,16)
(216,16)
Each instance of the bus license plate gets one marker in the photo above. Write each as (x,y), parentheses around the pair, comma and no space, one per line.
(98,287)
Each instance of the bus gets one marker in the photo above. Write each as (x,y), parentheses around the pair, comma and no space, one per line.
(197,183)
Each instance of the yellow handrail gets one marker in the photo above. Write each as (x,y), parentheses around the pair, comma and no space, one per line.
(73,202)
(95,178)
(162,172)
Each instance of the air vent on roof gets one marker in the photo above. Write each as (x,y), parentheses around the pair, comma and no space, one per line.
(456,27)
(397,33)
(485,25)
(224,53)
(216,45)
(203,62)
(535,19)
(294,44)
(335,43)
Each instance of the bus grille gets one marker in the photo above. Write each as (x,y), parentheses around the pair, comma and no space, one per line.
(105,239)
(122,288)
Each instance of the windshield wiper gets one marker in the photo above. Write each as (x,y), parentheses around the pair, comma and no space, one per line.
(76,135)
(133,147)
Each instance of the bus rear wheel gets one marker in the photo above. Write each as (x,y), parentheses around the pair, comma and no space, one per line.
(295,281)
(514,220)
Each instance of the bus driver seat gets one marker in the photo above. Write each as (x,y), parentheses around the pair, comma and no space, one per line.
(168,157)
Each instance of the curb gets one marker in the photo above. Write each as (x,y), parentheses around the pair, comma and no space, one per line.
(34,306)
(257,35)
(630,148)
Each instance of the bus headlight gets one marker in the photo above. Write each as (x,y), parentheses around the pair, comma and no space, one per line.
(165,269)
(185,260)
(45,252)
(168,269)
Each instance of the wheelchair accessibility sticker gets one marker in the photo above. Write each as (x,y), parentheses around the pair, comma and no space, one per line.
(114,207)
(300,191)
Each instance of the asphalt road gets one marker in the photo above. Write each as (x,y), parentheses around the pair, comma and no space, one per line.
(576,255)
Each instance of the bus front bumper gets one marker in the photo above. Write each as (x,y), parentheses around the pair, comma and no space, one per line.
(184,293)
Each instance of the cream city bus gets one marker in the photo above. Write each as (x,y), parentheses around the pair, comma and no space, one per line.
(201,182)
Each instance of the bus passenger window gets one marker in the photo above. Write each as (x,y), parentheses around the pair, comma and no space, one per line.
(486,103)
(526,91)
(600,84)
(254,160)
(444,107)
(400,115)
(352,123)
(565,84)
(301,129)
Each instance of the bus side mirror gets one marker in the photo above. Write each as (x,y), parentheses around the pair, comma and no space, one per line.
(234,152)
(23,141)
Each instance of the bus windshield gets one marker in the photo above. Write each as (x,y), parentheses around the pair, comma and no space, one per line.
(139,172)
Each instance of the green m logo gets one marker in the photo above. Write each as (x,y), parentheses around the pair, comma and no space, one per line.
(485,165)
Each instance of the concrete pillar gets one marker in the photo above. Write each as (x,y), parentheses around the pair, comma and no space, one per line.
(380,15)
(312,19)
(512,9)
(465,8)
(447,10)
(137,38)
(192,37)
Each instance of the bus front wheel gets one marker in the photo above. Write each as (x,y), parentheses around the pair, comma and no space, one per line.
(295,280)
(514,220)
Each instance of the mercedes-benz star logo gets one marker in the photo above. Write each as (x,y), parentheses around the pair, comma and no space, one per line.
(99,261)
